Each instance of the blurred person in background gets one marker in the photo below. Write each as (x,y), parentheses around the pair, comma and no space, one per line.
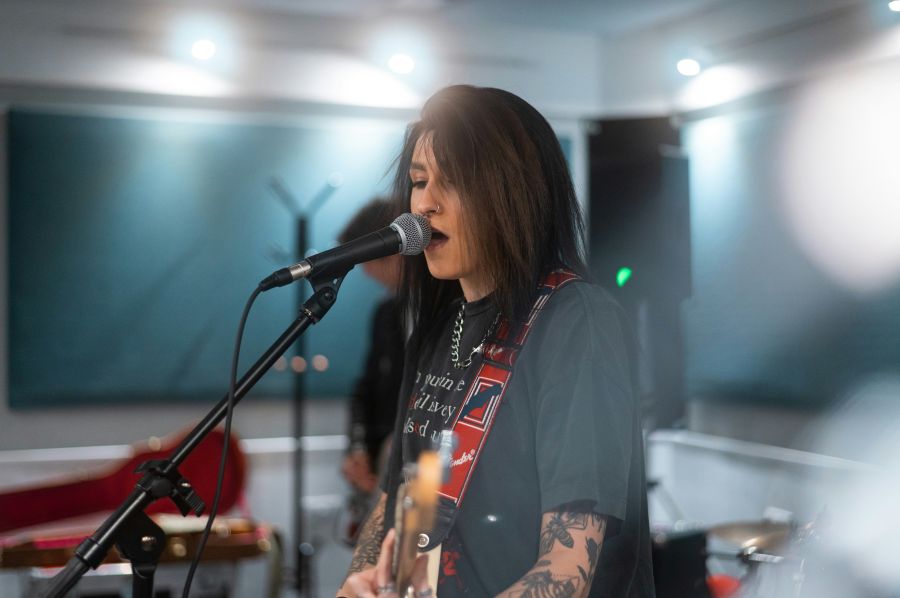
(373,405)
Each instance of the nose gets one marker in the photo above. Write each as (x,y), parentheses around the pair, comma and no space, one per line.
(424,202)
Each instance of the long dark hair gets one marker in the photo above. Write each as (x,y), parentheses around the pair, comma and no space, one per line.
(518,202)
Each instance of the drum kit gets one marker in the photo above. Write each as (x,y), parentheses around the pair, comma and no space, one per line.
(776,558)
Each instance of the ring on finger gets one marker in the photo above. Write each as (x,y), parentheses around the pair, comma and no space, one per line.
(387,588)
(426,593)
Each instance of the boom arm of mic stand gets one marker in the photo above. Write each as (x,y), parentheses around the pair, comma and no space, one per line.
(93,550)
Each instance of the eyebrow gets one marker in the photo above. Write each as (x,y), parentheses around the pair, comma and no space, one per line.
(417,166)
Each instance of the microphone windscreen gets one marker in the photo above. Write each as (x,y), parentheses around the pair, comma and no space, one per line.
(414,231)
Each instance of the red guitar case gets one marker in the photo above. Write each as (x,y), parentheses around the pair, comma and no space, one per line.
(108,487)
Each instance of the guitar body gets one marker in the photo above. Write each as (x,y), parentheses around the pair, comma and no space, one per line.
(105,490)
(434,567)
(417,502)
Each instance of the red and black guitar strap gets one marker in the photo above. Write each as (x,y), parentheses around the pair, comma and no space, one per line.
(475,417)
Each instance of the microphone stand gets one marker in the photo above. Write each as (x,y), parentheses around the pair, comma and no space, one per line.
(137,537)
(302,549)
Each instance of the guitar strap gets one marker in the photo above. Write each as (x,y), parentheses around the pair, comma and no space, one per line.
(475,418)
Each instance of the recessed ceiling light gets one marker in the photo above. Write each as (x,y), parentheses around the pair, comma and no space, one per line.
(894,5)
(401,63)
(203,49)
(688,67)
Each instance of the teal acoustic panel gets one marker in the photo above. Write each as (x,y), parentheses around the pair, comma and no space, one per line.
(134,243)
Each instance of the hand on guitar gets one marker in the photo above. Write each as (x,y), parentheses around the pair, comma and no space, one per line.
(400,570)
(379,582)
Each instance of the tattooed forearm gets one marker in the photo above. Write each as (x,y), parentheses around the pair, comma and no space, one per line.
(370,537)
(592,548)
(570,543)
(541,583)
(561,524)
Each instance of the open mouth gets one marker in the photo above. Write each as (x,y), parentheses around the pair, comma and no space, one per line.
(437,239)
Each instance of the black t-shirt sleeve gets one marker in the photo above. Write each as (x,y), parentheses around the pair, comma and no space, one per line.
(584,406)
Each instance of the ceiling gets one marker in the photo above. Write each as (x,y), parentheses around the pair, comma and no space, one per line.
(608,19)
(570,57)
(603,17)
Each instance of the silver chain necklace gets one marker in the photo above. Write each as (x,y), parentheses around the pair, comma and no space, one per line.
(456,337)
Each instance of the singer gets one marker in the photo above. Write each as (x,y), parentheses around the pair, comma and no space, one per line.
(513,347)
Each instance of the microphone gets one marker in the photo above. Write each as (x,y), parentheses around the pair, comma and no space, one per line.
(409,234)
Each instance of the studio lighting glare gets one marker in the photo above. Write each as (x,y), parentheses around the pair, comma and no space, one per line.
(203,49)
(894,5)
(688,67)
(401,63)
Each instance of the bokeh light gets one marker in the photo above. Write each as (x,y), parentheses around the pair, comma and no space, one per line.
(840,178)
(203,49)
(320,363)
(402,64)
(298,364)
(688,67)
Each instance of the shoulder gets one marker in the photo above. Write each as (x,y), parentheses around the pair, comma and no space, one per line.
(583,297)
(581,331)
(581,313)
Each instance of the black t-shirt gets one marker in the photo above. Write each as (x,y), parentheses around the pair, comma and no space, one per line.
(567,430)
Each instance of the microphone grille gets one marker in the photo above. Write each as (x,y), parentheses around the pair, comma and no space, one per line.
(415,233)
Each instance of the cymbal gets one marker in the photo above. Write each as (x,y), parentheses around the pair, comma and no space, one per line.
(765,536)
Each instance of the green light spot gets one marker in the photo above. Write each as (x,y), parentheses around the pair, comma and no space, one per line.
(623,276)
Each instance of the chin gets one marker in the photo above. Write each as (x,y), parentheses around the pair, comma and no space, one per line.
(444,273)
(440,275)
